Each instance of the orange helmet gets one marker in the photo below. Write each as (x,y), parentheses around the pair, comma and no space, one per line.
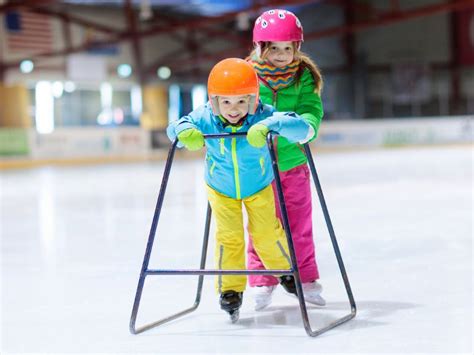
(230,77)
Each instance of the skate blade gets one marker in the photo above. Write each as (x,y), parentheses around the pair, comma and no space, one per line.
(234,316)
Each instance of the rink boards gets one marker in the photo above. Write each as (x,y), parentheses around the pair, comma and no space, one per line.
(79,144)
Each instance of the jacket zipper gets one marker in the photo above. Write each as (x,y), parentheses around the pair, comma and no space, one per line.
(236,165)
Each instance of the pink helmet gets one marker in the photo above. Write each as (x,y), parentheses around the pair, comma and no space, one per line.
(277,26)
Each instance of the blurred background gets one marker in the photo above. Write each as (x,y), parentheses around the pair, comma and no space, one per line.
(94,84)
(100,80)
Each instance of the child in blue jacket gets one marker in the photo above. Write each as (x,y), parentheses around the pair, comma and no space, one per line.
(239,171)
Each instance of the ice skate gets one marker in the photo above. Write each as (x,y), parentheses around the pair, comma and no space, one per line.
(288,283)
(312,293)
(230,302)
(263,296)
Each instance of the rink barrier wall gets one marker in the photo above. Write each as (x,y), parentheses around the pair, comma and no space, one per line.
(396,132)
(25,147)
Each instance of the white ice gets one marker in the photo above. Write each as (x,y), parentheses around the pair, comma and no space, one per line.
(73,240)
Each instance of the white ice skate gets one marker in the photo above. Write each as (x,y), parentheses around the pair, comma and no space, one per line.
(312,293)
(263,296)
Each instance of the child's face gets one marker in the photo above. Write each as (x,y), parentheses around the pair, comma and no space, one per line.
(233,108)
(280,54)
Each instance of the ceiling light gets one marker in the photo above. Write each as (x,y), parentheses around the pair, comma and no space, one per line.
(69,86)
(164,73)
(26,66)
(124,70)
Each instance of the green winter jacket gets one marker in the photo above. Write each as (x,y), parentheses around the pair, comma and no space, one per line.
(300,98)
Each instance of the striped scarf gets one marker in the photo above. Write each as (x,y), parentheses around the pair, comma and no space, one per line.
(276,78)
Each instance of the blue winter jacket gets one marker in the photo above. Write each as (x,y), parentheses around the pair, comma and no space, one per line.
(233,167)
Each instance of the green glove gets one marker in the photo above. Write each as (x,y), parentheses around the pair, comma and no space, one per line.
(191,138)
(257,135)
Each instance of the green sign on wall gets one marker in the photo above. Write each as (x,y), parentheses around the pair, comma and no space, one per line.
(13,141)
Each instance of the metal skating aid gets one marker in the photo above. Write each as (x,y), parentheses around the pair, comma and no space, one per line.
(145,271)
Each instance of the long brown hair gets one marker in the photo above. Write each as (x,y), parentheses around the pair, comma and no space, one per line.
(306,62)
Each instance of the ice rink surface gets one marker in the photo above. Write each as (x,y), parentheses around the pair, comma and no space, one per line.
(73,239)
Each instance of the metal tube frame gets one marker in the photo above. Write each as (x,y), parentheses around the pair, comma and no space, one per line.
(145,271)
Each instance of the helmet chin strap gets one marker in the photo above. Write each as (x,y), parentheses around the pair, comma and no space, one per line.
(258,50)
(214,105)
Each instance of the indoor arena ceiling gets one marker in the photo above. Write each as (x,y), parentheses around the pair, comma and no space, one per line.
(192,7)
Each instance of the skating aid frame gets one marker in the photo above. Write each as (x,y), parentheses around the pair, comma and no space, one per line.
(145,271)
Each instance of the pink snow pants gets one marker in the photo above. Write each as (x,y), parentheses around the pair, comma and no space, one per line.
(297,191)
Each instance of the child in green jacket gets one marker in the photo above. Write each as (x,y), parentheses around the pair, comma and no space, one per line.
(290,81)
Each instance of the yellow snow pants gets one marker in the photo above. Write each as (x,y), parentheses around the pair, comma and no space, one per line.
(267,233)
